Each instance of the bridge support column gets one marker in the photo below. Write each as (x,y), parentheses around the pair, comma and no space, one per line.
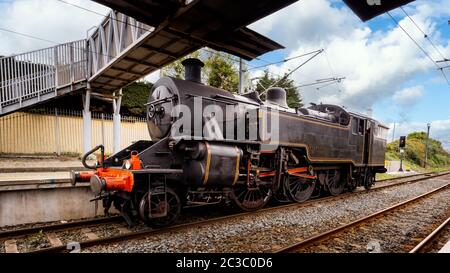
(87,121)
(117,102)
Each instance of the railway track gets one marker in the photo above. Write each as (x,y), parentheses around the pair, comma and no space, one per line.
(46,233)
(55,245)
(349,236)
(407,176)
(435,241)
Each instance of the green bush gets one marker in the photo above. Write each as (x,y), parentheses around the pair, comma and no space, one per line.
(134,98)
(415,150)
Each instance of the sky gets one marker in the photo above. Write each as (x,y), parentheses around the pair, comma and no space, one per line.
(384,69)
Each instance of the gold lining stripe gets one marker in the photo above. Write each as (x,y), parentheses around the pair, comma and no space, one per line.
(238,159)
(325,159)
(340,127)
(208,163)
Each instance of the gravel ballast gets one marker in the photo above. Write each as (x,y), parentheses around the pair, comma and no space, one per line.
(397,231)
(271,230)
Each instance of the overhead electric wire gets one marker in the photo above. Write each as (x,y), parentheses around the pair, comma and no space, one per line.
(420,47)
(83,8)
(295,69)
(103,15)
(326,85)
(28,36)
(424,34)
(445,76)
(320,81)
(332,72)
(237,61)
(412,39)
(302,64)
(51,42)
(285,60)
(335,79)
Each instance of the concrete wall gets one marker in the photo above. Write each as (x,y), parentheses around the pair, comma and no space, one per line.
(44,205)
(27,133)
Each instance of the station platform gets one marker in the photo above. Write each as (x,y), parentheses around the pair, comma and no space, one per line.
(38,189)
(34,180)
(14,164)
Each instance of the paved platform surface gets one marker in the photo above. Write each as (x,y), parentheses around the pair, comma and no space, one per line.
(402,173)
(12,164)
(34,176)
(27,173)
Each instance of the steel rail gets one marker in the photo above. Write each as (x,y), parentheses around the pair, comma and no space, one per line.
(146,232)
(57,227)
(74,224)
(419,247)
(406,176)
(325,235)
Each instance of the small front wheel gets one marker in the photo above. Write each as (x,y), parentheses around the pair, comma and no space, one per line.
(151,210)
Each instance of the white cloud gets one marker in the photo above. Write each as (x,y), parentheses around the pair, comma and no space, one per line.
(440,130)
(375,63)
(50,20)
(408,96)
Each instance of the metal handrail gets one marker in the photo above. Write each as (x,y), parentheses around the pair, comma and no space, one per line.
(35,73)
(37,50)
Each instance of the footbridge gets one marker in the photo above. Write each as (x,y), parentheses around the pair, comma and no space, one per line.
(122,50)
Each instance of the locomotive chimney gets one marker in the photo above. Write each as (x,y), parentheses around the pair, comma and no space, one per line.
(193,70)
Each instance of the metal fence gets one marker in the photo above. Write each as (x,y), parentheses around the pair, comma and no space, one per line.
(39,72)
(56,131)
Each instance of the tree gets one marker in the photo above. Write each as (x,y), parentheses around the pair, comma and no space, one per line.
(176,69)
(292,95)
(134,98)
(221,72)
(415,150)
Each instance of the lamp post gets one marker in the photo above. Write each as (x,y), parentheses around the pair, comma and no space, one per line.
(402,145)
(241,76)
(393,133)
(401,160)
(426,145)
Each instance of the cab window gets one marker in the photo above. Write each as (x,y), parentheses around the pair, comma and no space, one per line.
(382,132)
(354,125)
(361,127)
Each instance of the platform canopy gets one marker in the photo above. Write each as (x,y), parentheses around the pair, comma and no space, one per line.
(368,9)
(218,24)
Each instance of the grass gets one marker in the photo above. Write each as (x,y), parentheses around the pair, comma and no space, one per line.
(410,165)
(381,176)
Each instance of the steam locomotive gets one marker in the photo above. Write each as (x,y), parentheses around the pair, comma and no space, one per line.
(210,146)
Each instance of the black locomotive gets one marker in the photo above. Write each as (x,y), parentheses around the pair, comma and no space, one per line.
(235,149)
